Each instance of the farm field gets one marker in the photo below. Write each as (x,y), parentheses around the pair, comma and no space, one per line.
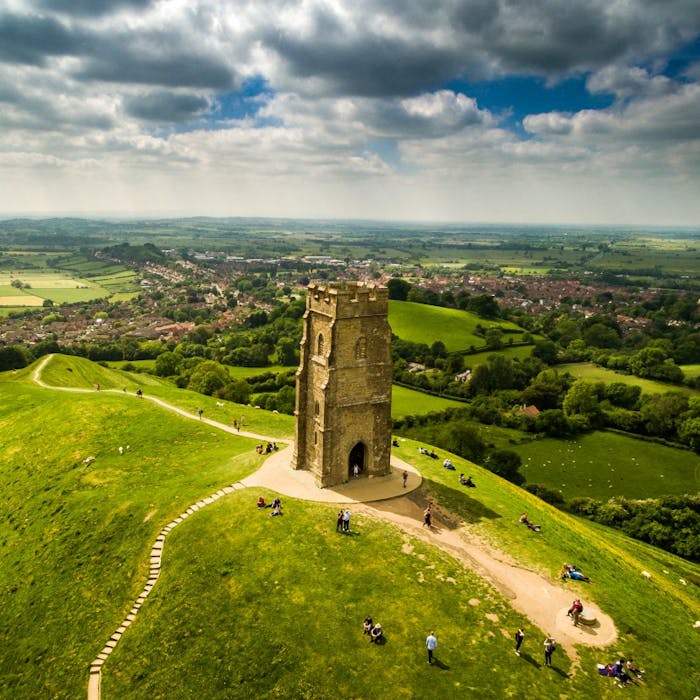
(79,279)
(421,323)
(52,285)
(593,373)
(78,540)
(605,464)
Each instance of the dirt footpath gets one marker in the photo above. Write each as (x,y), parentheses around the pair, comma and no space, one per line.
(544,602)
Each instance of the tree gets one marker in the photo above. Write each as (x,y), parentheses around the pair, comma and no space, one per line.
(168,364)
(547,390)
(494,338)
(438,349)
(583,399)
(506,463)
(208,377)
(455,363)
(546,351)
(601,336)
(287,352)
(463,439)
(660,412)
(552,423)
(13,357)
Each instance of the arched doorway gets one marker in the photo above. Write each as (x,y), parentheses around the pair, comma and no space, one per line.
(357,457)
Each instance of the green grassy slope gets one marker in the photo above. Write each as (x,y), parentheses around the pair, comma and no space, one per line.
(593,373)
(74,539)
(421,323)
(249,605)
(408,402)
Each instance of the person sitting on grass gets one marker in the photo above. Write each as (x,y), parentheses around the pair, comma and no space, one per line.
(620,674)
(376,634)
(531,526)
(578,576)
(632,670)
(261,502)
(570,571)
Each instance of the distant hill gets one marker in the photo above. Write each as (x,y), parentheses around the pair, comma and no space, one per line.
(422,323)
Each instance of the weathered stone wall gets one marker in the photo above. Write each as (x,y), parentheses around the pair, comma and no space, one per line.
(344,383)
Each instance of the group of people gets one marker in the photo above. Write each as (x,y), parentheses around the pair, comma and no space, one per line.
(343,521)
(549,645)
(429,453)
(466,482)
(373,629)
(276,505)
(572,572)
(266,449)
(448,464)
(623,672)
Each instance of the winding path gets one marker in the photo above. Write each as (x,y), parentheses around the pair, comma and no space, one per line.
(542,601)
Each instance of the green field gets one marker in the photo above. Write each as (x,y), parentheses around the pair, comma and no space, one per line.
(421,323)
(252,606)
(520,352)
(691,371)
(408,402)
(605,464)
(594,373)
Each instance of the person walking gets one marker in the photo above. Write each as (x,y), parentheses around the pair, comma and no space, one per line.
(346,520)
(199,412)
(549,647)
(431,645)
(404,476)
(339,522)
(428,516)
(519,636)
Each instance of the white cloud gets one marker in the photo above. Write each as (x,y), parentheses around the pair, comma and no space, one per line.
(133,100)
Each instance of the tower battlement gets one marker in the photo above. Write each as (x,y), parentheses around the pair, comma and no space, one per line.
(348,299)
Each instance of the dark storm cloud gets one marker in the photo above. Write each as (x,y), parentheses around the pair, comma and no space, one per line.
(29,39)
(165,106)
(371,66)
(392,48)
(120,64)
(92,8)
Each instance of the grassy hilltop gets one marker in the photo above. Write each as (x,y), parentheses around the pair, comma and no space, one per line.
(252,606)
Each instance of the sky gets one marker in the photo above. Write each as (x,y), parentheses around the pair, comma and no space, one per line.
(522,111)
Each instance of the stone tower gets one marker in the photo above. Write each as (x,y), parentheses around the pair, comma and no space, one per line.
(343,402)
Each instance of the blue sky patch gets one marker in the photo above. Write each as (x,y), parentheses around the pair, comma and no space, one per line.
(244,103)
(518,96)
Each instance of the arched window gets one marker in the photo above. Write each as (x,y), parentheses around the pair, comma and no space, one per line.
(361,348)
(319,344)
(317,408)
